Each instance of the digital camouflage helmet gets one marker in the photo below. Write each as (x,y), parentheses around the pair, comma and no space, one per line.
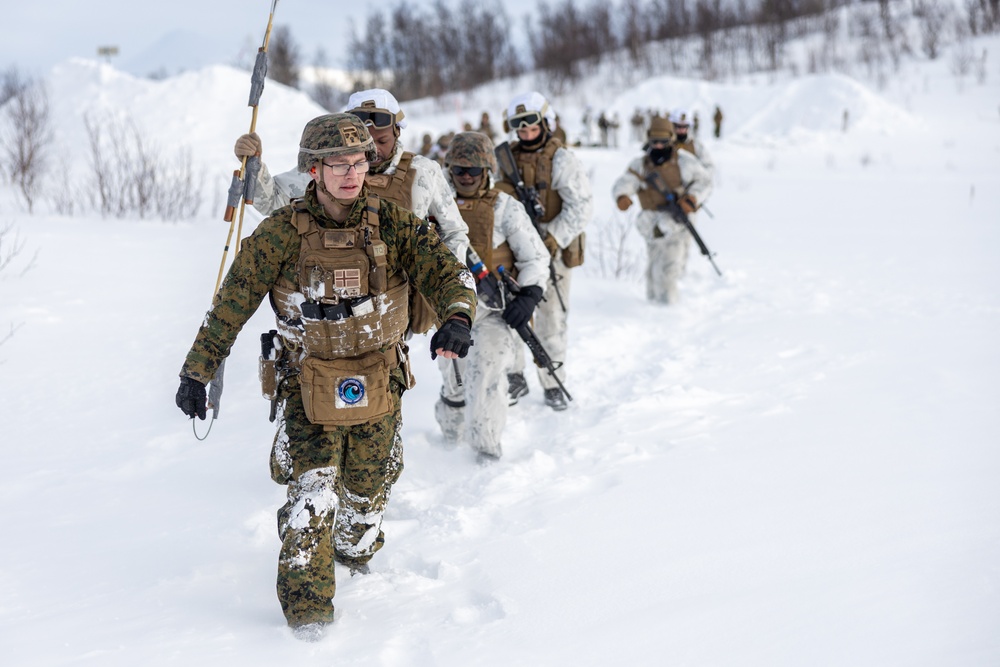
(471,149)
(334,134)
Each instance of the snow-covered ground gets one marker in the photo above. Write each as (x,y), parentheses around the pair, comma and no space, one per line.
(795,466)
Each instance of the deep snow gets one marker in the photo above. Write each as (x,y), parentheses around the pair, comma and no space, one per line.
(797,465)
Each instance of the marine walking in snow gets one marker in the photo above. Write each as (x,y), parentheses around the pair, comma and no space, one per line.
(565,202)
(685,178)
(501,234)
(337,265)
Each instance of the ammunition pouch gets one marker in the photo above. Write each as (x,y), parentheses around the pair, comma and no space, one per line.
(572,255)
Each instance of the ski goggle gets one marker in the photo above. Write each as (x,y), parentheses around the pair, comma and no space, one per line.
(525,120)
(377,119)
(462,171)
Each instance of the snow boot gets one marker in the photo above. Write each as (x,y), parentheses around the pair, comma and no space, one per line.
(554,399)
(517,387)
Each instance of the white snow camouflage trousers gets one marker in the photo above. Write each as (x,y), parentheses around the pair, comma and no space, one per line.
(482,418)
(551,325)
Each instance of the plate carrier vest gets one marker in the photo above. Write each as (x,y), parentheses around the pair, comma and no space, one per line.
(341,267)
(478,213)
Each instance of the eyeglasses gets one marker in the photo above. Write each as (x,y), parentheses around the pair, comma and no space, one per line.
(341,168)
(471,171)
(659,142)
(377,119)
(525,120)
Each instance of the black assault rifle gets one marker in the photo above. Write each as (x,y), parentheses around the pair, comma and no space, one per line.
(529,198)
(671,206)
(497,294)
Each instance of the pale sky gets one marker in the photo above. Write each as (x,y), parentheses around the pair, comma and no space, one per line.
(39,34)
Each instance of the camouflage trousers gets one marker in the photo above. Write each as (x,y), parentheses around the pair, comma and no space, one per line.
(338,487)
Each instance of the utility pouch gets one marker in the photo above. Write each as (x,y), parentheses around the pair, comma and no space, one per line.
(572,255)
(267,370)
(345,392)
(377,275)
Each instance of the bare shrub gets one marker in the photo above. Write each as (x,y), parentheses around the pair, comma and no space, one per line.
(26,135)
(11,246)
(128,176)
(614,253)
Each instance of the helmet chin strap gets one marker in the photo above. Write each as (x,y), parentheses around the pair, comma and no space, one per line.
(344,204)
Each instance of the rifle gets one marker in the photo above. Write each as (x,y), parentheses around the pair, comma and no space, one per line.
(671,206)
(241,193)
(496,294)
(529,198)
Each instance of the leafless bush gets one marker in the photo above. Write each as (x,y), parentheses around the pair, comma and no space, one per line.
(11,246)
(614,254)
(26,136)
(931,18)
(130,177)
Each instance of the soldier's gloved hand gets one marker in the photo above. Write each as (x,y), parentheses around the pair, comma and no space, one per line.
(519,310)
(551,244)
(453,338)
(191,398)
(624,202)
(688,203)
(248,145)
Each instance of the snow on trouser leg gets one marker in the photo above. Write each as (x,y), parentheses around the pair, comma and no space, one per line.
(372,462)
(306,583)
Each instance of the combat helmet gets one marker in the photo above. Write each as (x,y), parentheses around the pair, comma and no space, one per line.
(334,134)
(377,108)
(471,149)
(529,109)
(661,129)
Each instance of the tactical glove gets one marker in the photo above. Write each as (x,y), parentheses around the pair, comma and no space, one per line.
(191,398)
(551,244)
(455,335)
(518,311)
(688,203)
(248,145)
(624,202)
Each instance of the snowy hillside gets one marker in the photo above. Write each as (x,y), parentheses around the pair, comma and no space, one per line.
(795,466)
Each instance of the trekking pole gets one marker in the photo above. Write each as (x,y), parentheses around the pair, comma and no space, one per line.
(241,189)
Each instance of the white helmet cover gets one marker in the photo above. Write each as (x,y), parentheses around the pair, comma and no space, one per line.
(381,99)
(533,101)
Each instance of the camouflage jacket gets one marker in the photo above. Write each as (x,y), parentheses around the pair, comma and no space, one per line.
(273,251)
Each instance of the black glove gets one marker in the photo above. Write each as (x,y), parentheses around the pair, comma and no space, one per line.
(455,335)
(519,310)
(191,398)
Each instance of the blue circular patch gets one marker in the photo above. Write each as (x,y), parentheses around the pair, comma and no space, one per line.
(351,391)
